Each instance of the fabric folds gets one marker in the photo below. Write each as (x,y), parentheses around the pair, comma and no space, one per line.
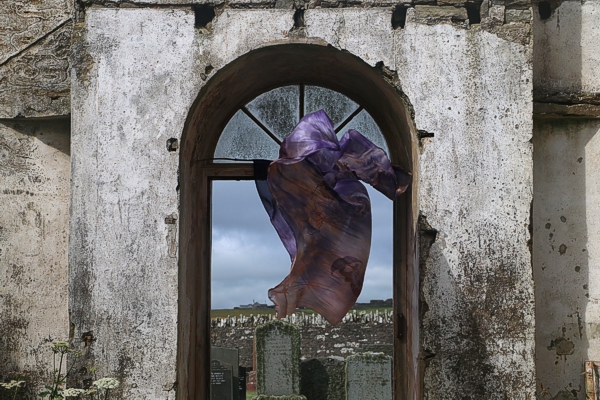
(322,213)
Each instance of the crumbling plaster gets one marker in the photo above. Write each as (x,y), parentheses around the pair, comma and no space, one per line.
(139,73)
(34,220)
(473,92)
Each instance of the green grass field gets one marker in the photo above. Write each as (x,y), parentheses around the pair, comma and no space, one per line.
(246,312)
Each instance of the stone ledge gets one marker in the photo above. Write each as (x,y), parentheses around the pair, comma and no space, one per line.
(565,97)
(565,110)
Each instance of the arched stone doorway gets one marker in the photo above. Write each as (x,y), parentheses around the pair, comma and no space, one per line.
(233,86)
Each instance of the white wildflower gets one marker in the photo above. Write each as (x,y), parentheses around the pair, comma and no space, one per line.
(71,392)
(60,347)
(12,384)
(107,383)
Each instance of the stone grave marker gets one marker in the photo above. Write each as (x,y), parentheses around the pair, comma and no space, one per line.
(228,356)
(323,378)
(369,376)
(277,350)
(221,381)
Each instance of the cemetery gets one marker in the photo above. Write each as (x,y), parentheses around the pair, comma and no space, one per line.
(282,374)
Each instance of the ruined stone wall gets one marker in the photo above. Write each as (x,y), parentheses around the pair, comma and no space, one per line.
(34,222)
(469,87)
(356,333)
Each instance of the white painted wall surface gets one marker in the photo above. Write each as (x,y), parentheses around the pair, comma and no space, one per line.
(34,230)
(142,79)
(566,252)
(473,91)
(567,49)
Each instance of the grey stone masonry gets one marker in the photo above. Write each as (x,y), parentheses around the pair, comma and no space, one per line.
(369,376)
(277,349)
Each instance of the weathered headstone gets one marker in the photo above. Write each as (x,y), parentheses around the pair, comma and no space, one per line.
(231,357)
(277,350)
(221,381)
(369,376)
(323,378)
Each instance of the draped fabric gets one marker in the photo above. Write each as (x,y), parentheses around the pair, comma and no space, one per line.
(322,213)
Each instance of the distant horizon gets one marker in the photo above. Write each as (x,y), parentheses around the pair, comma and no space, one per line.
(273,305)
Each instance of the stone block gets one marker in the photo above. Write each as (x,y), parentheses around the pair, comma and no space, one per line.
(497,13)
(518,16)
(323,378)
(513,4)
(369,376)
(277,349)
(455,3)
(436,14)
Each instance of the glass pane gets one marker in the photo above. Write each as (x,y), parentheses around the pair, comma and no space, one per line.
(278,109)
(337,106)
(379,278)
(242,138)
(366,125)
(247,256)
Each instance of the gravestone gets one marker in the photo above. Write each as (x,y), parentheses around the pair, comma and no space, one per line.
(369,376)
(221,381)
(277,350)
(323,378)
(231,357)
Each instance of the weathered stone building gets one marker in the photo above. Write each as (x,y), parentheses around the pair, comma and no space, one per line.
(492,104)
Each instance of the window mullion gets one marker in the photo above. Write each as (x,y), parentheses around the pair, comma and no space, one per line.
(347,120)
(260,124)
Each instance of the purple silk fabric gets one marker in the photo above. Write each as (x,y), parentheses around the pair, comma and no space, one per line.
(322,214)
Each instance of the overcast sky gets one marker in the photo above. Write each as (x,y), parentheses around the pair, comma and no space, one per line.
(248,258)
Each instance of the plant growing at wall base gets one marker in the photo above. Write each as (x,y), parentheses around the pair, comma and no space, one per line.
(99,390)
(12,386)
(55,389)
